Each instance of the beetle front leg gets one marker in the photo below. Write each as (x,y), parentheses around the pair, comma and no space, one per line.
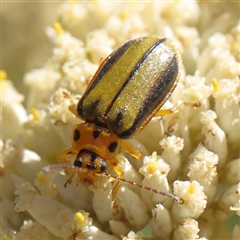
(180,104)
(127,147)
(119,171)
(68,153)
(73,109)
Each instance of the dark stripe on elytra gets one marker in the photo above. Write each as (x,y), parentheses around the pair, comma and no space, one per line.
(94,105)
(137,66)
(119,116)
(162,85)
(103,69)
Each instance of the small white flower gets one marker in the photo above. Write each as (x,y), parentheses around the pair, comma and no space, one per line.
(236,207)
(134,236)
(187,229)
(99,45)
(12,112)
(228,203)
(155,171)
(231,172)
(227,101)
(77,74)
(56,217)
(131,23)
(228,93)
(119,228)
(203,169)
(154,166)
(161,222)
(10,218)
(102,202)
(33,230)
(67,48)
(203,163)
(95,233)
(193,197)
(25,195)
(196,90)
(171,155)
(41,83)
(134,209)
(215,138)
(77,195)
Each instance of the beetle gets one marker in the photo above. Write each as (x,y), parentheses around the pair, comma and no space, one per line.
(127,91)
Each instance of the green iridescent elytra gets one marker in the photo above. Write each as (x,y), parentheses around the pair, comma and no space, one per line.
(131,85)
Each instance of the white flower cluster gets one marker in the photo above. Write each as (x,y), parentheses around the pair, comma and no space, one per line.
(191,153)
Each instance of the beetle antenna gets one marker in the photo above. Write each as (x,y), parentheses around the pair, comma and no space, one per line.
(63,166)
(107,175)
(134,184)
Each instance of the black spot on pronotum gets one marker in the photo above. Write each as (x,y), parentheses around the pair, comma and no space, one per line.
(112,147)
(76,135)
(93,156)
(96,133)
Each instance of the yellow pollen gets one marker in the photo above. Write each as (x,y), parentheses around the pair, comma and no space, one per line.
(123,15)
(95,1)
(234,46)
(215,85)
(3,75)
(191,188)
(80,217)
(58,28)
(41,178)
(35,114)
(151,168)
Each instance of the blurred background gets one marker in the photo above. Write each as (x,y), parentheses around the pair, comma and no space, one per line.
(24,45)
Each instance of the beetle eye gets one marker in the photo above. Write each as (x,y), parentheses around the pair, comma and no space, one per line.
(78,162)
(103,167)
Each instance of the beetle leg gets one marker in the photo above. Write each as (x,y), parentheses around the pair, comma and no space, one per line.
(119,172)
(113,194)
(101,60)
(69,180)
(180,104)
(131,150)
(73,106)
(73,109)
(116,187)
(70,152)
